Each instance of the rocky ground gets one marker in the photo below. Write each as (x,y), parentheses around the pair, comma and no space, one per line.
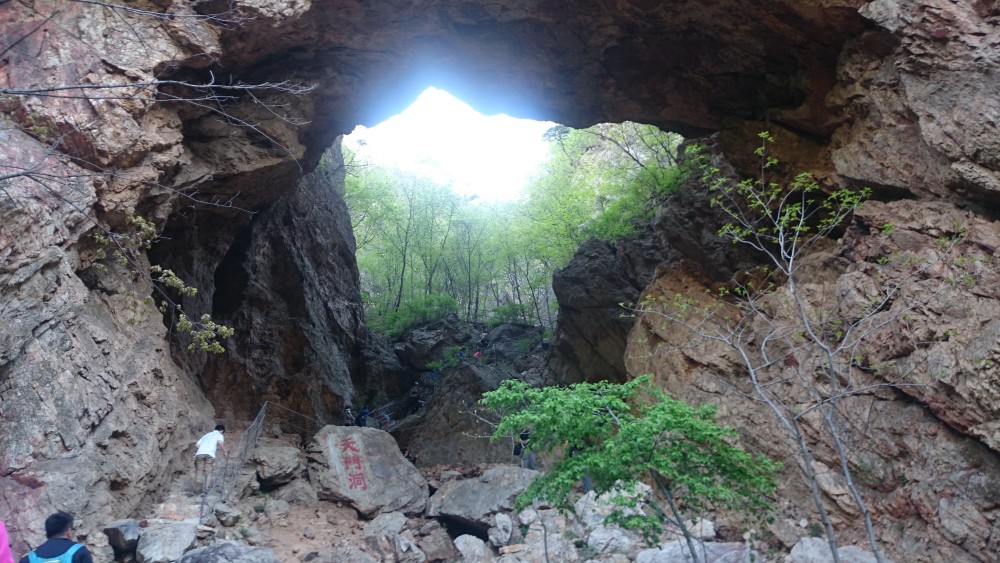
(431,513)
(348,494)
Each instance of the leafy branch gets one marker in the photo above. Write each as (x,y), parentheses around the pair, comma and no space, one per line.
(788,335)
(621,434)
(127,251)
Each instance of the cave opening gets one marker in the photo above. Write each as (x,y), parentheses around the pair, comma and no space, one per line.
(458,213)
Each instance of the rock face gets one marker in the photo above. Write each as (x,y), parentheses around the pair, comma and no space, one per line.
(98,399)
(447,429)
(303,343)
(602,281)
(929,439)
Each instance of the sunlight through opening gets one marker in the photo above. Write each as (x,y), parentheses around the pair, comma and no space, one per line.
(442,138)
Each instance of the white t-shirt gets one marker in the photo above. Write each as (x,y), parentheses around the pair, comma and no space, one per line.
(208,443)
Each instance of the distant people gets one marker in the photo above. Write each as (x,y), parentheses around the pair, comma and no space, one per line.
(59,547)
(204,458)
(478,356)
(415,400)
(362,418)
(528,460)
(5,555)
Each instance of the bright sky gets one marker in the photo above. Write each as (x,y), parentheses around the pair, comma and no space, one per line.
(441,137)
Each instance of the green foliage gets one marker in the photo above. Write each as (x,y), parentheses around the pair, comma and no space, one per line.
(416,237)
(128,248)
(523,345)
(413,313)
(773,216)
(451,357)
(509,313)
(623,217)
(621,434)
(205,335)
(601,182)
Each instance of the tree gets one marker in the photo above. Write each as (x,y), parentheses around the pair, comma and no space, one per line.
(803,351)
(620,434)
(418,239)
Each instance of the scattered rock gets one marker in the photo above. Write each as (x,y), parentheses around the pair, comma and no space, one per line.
(226,515)
(390,523)
(166,542)
(229,552)
(275,509)
(437,545)
(474,550)
(349,553)
(276,465)
(606,540)
(817,550)
(123,535)
(501,531)
(298,491)
(475,501)
(203,532)
(678,551)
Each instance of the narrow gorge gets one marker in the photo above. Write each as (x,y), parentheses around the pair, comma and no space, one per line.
(209,119)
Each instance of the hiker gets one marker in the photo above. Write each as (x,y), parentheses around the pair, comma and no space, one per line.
(521,448)
(585,480)
(5,555)
(478,356)
(59,547)
(415,401)
(362,418)
(204,458)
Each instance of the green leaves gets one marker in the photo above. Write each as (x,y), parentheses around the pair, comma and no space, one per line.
(129,247)
(624,433)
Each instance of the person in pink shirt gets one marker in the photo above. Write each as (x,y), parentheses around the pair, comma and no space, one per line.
(5,555)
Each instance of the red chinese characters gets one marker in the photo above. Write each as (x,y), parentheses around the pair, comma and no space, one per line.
(350,455)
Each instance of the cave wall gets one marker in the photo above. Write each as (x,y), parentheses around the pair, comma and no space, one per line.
(893,94)
(923,451)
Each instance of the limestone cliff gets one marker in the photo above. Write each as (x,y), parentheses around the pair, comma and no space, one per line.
(96,398)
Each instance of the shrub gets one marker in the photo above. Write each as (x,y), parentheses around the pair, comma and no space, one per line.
(410,314)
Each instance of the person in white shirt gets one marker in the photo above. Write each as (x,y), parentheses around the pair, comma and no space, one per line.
(204,458)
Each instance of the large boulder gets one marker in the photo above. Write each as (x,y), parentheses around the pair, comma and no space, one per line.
(123,535)
(435,542)
(166,542)
(421,346)
(447,430)
(229,552)
(276,465)
(817,550)
(474,550)
(679,552)
(474,501)
(363,466)
(298,491)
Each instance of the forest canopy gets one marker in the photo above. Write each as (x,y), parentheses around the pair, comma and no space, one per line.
(424,251)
